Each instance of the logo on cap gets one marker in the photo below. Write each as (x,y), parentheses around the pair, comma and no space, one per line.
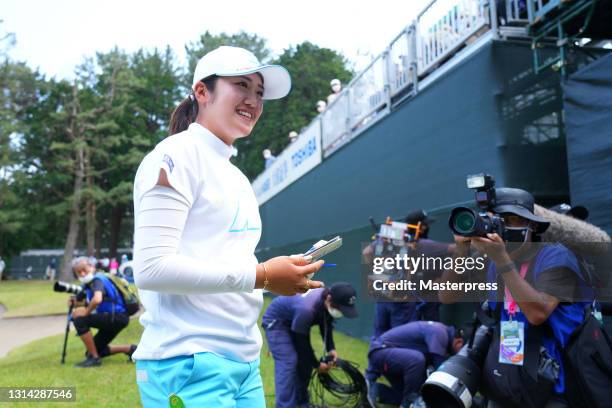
(352,300)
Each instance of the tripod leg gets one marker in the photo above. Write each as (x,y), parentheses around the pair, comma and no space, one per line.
(66,335)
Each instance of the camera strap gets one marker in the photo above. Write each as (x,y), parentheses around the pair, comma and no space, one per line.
(509,302)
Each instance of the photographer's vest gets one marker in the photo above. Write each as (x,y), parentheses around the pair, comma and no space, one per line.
(555,332)
(112,302)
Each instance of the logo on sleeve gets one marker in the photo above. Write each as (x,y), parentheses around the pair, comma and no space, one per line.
(169,162)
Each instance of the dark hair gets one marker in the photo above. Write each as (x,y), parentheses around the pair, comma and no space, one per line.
(187,111)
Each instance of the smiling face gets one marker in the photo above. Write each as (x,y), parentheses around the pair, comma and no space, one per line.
(233,108)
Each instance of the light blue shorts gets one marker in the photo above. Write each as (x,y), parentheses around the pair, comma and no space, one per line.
(200,380)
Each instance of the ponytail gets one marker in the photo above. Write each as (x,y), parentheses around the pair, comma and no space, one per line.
(187,111)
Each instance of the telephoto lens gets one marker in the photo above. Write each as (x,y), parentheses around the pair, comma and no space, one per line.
(61,287)
(455,382)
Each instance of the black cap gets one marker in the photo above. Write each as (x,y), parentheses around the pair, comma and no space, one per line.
(344,297)
(418,215)
(518,202)
(578,211)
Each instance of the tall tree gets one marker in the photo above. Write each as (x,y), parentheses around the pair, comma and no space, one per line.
(146,92)
(17,82)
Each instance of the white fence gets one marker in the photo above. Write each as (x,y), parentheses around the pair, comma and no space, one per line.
(402,61)
(445,26)
(334,121)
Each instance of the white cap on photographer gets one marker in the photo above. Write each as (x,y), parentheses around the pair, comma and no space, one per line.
(235,61)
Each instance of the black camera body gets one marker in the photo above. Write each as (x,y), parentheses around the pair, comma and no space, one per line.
(466,222)
(327,359)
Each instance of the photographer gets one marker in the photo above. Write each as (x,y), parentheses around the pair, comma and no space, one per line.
(105,311)
(402,355)
(392,314)
(287,323)
(534,304)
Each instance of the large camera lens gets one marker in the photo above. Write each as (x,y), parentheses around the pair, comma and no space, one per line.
(60,286)
(455,382)
(468,223)
(464,221)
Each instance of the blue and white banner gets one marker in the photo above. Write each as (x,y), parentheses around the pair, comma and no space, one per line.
(296,160)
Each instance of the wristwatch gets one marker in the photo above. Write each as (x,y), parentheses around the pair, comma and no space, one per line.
(505,268)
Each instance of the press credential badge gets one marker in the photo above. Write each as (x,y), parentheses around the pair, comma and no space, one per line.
(512,342)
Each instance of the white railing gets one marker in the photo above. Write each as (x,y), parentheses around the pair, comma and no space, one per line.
(444,26)
(368,92)
(436,35)
(401,63)
(334,121)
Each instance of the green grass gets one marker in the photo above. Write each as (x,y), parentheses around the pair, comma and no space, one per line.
(113,384)
(31,298)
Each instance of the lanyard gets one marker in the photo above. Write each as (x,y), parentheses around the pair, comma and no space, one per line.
(511,305)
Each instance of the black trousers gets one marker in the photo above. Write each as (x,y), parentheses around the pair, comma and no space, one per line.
(108,327)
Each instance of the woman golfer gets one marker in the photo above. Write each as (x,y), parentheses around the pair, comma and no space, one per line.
(196,228)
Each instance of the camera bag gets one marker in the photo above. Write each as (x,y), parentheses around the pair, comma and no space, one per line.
(587,360)
(530,385)
(527,386)
(127,292)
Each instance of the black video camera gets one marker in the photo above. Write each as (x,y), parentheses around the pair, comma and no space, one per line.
(469,223)
(392,236)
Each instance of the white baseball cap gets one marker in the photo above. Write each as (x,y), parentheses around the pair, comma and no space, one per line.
(234,61)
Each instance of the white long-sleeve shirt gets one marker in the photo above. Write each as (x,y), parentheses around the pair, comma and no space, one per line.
(194,249)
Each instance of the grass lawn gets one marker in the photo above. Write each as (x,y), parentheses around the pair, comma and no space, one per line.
(31,298)
(113,384)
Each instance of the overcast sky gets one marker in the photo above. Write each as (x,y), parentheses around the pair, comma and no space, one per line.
(55,35)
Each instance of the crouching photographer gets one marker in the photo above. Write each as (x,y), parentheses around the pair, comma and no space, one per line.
(105,310)
(539,301)
(402,355)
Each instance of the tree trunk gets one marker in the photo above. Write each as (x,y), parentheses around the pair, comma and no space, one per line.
(98,243)
(90,211)
(90,225)
(115,225)
(75,215)
(79,174)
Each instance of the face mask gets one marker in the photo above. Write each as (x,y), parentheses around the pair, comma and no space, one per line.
(514,234)
(86,279)
(335,313)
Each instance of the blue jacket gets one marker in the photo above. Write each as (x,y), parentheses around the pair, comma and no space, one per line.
(566,317)
(112,302)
